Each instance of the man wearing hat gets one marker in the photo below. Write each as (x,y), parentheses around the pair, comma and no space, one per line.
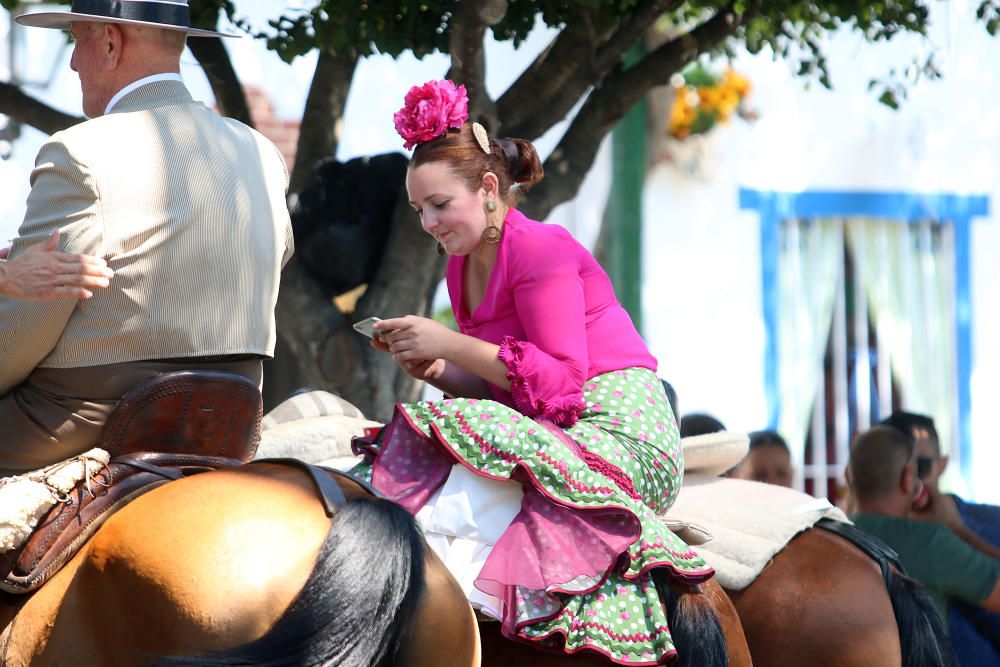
(187,208)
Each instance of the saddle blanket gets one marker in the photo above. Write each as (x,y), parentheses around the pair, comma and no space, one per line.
(315,427)
(748,522)
(25,499)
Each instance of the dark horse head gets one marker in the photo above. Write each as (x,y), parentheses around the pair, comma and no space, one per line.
(342,219)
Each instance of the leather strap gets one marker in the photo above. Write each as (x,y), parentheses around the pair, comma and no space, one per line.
(330,493)
(351,478)
(150,467)
(877,550)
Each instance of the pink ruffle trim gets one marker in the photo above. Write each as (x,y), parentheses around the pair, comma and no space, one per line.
(563,411)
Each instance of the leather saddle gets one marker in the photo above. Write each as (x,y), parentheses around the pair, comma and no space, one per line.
(171,426)
(192,412)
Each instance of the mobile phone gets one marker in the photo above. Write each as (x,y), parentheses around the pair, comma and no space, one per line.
(367,326)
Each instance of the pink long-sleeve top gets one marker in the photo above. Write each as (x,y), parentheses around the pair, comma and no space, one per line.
(552,310)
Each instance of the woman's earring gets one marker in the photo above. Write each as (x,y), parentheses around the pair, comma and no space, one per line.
(440,249)
(492,234)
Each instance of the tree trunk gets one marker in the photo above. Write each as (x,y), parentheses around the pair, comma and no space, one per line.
(328,353)
(322,116)
(211,54)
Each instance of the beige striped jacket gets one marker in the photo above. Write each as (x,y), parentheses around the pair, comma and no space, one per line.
(188,208)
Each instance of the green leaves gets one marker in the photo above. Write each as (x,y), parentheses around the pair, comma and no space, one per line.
(421,26)
(989,13)
(896,84)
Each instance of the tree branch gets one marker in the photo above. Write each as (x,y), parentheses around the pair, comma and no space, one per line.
(323,111)
(608,103)
(25,109)
(531,114)
(468,66)
(549,73)
(229,96)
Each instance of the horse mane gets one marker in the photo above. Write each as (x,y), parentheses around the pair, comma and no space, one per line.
(356,605)
(694,625)
(922,634)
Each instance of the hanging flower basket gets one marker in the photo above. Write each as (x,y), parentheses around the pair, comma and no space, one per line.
(705,99)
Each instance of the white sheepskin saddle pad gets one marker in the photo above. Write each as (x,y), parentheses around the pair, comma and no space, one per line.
(25,499)
(745,523)
(315,427)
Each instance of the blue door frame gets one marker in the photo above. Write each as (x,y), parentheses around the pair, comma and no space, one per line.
(957,210)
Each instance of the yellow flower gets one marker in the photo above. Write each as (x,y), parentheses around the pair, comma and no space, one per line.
(738,83)
(696,109)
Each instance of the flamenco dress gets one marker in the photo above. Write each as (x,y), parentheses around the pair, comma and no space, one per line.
(544,501)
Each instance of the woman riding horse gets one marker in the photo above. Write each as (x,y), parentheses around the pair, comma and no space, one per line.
(540,477)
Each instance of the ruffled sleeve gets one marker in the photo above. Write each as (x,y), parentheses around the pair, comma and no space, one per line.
(539,384)
(548,365)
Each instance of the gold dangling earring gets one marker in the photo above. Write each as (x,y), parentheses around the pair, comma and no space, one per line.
(492,234)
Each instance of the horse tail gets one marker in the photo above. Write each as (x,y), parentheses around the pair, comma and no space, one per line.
(922,636)
(694,625)
(354,608)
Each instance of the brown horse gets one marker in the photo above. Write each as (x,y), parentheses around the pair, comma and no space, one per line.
(247,558)
(221,559)
(837,599)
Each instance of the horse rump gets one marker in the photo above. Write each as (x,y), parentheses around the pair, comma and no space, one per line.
(354,608)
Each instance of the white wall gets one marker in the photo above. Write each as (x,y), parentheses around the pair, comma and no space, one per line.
(709,335)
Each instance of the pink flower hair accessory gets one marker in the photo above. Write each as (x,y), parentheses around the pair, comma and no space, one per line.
(430,110)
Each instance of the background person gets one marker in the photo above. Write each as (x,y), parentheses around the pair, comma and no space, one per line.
(187,207)
(768,460)
(975,631)
(699,423)
(555,404)
(882,472)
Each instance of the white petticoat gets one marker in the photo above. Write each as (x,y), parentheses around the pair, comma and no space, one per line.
(463,520)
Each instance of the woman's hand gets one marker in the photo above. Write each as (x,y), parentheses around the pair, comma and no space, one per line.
(41,273)
(427,370)
(413,338)
(457,364)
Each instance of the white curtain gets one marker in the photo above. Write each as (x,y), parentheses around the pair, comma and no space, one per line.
(908,273)
(809,268)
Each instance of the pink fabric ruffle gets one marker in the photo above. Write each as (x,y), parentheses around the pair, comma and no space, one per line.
(548,544)
(410,466)
(539,384)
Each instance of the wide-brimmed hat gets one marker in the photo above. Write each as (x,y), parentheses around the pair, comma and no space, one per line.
(167,14)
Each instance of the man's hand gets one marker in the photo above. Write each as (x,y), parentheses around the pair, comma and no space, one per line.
(41,273)
(940,510)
